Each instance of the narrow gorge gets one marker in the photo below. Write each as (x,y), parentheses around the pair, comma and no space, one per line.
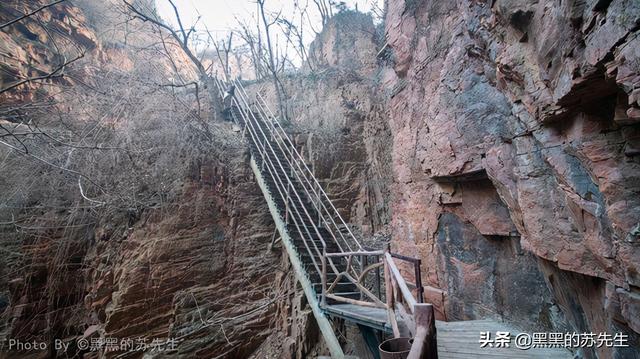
(159,183)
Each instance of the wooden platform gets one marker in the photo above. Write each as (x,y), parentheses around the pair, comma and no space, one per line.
(456,340)
(372,317)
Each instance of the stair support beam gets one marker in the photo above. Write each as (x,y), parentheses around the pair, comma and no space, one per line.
(323,322)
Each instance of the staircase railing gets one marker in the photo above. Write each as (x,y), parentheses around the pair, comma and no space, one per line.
(323,203)
(283,167)
(326,213)
(271,162)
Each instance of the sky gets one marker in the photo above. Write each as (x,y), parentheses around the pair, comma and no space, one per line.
(220,15)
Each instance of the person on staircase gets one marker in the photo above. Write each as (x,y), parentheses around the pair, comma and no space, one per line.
(227,103)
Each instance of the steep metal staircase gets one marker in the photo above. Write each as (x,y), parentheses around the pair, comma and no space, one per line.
(340,278)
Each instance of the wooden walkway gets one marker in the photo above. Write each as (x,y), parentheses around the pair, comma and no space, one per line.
(456,340)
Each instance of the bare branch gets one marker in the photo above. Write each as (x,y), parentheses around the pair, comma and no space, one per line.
(185,37)
(87,198)
(53,165)
(30,14)
(15,136)
(54,74)
(183,41)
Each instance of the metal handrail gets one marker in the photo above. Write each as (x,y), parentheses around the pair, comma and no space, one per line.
(271,168)
(295,163)
(326,197)
(283,135)
(320,205)
(276,179)
(322,218)
(293,153)
(320,237)
(260,145)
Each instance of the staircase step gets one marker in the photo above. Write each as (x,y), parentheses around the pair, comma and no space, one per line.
(302,248)
(352,295)
(339,288)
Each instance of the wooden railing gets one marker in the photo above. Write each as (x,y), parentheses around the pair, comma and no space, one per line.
(417,319)
(355,277)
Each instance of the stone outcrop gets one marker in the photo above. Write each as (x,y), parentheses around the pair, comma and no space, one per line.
(199,272)
(514,143)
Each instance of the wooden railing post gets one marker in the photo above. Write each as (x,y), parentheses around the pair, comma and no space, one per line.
(378,284)
(390,301)
(424,342)
(364,265)
(419,288)
(405,293)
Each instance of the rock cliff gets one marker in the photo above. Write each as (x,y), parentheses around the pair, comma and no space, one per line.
(496,140)
(128,216)
(515,162)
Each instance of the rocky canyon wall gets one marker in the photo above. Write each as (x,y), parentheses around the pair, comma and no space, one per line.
(503,139)
(130,215)
(515,158)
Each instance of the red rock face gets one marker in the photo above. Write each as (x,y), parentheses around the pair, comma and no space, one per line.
(190,264)
(515,141)
(200,273)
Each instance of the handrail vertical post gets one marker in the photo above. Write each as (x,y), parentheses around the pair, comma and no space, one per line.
(419,288)
(318,204)
(364,265)
(425,344)
(286,205)
(390,300)
(378,277)
(324,278)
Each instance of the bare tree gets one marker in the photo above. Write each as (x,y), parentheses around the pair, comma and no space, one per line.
(271,55)
(253,42)
(294,36)
(240,53)
(181,35)
(378,11)
(222,52)
(325,8)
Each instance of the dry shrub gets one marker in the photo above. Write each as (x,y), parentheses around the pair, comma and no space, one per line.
(93,150)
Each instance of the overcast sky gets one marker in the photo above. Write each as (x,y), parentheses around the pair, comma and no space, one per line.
(219,15)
